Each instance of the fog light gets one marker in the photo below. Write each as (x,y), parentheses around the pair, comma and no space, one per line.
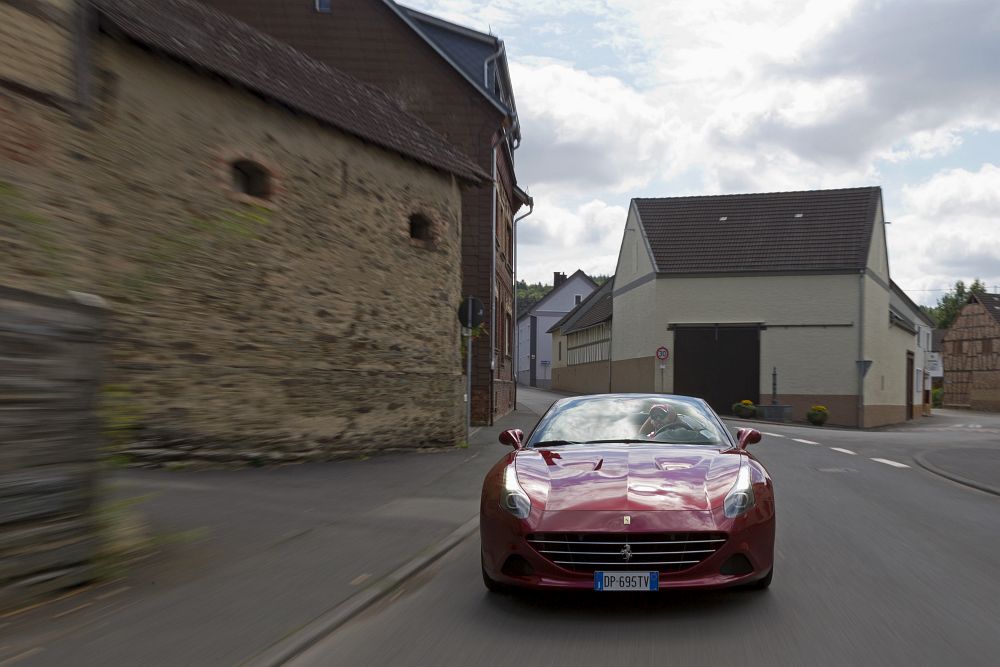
(737,564)
(517,566)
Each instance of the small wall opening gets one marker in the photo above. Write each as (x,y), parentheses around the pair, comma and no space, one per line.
(251,178)
(420,228)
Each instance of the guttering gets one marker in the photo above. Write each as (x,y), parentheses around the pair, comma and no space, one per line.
(493,284)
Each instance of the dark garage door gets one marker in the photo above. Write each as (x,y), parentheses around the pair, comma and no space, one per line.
(718,364)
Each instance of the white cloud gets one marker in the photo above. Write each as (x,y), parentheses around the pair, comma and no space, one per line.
(948,231)
(555,238)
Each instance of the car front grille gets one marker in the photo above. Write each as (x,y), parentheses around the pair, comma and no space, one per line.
(591,552)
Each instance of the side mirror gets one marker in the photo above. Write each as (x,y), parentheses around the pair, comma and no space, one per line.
(747,436)
(512,437)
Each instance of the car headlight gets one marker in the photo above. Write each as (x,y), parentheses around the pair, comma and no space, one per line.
(512,497)
(740,498)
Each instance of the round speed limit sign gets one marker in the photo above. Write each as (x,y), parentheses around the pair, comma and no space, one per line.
(662,353)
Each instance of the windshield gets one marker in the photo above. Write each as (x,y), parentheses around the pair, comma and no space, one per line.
(668,419)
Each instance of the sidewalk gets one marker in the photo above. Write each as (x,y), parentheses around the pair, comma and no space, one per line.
(249,557)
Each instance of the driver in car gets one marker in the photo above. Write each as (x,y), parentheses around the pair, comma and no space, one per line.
(661,418)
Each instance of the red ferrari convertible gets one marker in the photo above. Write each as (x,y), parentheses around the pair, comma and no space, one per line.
(624,492)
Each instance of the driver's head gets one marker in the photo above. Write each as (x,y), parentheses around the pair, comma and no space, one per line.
(662,414)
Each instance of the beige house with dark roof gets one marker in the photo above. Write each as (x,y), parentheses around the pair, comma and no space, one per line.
(738,286)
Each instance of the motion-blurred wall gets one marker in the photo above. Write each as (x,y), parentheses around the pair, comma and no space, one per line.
(50,366)
(304,324)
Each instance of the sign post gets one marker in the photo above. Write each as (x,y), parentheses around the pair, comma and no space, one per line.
(470,314)
(662,354)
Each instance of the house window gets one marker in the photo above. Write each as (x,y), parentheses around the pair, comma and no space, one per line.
(251,178)
(560,350)
(323,6)
(420,228)
(579,298)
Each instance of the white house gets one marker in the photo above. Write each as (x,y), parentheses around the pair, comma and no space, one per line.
(534,342)
(913,317)
(735,287)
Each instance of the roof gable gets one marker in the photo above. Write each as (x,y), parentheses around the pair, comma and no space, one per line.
(556,290)
(480,58)
(991,302)
(596,308)
(777,232)
(210,40)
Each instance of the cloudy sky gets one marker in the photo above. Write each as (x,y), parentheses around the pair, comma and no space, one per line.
(654,98)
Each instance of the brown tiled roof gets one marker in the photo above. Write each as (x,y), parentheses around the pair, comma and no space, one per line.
(991,302)
(218,43)
(781,232)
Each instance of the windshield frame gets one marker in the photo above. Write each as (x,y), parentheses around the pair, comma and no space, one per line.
(728,441)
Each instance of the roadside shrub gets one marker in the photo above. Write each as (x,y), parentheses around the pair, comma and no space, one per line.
(817,415)
(937,397)
(744,409)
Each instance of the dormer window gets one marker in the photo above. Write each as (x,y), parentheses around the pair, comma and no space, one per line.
(251,179)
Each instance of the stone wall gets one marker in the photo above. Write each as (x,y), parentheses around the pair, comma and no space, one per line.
(306,326)
(49,438)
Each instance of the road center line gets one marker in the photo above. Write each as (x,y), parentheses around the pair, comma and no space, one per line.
(845,451)
(773,435)
(805,442)
(894,464)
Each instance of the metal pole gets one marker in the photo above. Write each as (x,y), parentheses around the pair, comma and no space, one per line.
(468,373)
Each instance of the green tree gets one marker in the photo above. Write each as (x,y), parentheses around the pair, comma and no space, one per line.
(950,304)
(530,294)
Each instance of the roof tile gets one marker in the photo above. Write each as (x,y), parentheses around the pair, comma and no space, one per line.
(814,230)
(206,38)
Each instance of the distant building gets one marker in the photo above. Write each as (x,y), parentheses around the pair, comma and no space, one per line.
(909,315)
(456,80)
(534,342)
(972,355)
(734,286)
(581,344)
(279,243)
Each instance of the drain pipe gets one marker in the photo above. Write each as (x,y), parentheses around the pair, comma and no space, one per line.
(517,338)
(861,349)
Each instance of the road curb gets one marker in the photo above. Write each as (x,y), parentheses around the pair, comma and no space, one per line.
(941,472)
(302,639)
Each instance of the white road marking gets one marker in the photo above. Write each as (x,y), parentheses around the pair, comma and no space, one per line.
(894,464)
(70,611)
(773,435)
(21,656)
(845,451)
(805,442)
(360,579)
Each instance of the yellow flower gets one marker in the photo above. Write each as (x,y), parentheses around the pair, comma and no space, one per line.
(746,402)
(818,408)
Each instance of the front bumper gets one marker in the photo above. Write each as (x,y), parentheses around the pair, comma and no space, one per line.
(508,558)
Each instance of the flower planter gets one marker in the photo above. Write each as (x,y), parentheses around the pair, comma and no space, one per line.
(744,411)
(817,417)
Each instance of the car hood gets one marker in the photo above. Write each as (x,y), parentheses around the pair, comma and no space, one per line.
(627,476)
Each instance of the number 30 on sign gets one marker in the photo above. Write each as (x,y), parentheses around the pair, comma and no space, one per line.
(662,353)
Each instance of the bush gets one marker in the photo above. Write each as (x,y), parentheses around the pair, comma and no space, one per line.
(817,415)
(937,397)
(745,409)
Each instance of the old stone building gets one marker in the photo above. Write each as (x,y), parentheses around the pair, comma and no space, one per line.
(457,81)
(971,355)
(279,244)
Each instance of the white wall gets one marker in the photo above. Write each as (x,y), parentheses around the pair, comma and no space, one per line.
(547,312)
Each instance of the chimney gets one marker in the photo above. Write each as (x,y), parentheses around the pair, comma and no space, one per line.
(558,278)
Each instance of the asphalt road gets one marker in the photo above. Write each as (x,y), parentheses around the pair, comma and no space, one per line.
(877,562)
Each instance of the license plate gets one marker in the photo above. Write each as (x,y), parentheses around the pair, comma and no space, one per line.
(626,581)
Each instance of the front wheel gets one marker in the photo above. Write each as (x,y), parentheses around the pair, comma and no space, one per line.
(492,585)
(762,584)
